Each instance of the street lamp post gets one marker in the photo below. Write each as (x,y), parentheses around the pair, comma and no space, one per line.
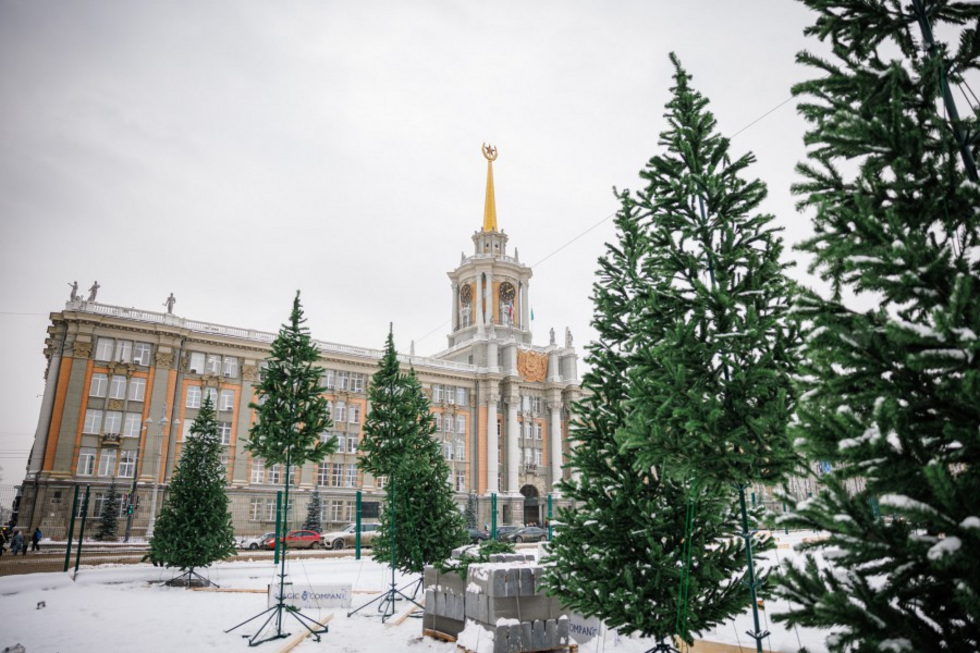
(156,482)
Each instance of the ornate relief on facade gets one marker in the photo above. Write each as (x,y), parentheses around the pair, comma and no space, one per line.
(250,372)
(81,349)
(116,367)
(115,404)
(210,380)
(531,365)
(165,359)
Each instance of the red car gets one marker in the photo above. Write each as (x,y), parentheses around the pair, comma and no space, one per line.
(296,540)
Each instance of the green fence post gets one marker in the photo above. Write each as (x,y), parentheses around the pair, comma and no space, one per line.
(71,528)
(275,556)
(357,528)
(550,532)
(81,528)
(493,516)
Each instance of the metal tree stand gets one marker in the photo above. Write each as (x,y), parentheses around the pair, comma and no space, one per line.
(276,611)
(386,600)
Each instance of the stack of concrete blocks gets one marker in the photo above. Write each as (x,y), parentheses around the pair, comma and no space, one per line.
(503,598)
(445,611)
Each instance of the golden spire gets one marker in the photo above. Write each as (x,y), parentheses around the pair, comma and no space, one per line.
(490,206)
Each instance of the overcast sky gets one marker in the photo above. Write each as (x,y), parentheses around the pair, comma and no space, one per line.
(234,152)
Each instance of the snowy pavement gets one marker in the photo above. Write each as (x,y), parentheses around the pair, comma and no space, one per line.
(126,608)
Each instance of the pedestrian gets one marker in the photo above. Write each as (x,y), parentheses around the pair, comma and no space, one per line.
(3,539)
(17,543)
(36,539)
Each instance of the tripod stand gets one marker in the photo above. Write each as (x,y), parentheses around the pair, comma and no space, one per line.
(275,612)
(387,598)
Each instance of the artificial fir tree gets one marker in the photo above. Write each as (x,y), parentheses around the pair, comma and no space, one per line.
(421,523)
(194,528)
(892,372)
(470,514)
(313,510)
(291,417)
(109,518)
(692,289)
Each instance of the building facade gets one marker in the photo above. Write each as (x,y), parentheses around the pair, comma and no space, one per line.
(124,385)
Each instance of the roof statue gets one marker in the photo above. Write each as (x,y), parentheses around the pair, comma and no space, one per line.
(490,205)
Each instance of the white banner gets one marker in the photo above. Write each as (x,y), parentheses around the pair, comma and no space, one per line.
(313,596)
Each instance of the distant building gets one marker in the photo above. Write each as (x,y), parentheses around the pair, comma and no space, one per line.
(124,385)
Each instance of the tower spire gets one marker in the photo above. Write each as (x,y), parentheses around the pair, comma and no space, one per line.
(489,206)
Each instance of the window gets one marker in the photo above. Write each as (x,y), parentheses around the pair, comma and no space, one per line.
(460,450)
(325,437)
(262,509)
(186,430)
(113,422)
(526,428)
(380,482)
(132,423)
(536,405)
(437,419)
(124,351)
(349,509)
(137,389)
(230,369)
(107,462)
(343,380)
(193,396)
(104,349)
(450,394)
(225,459)
(86,461)
(351,476)
(437,393)
(337,474)
(117,387)
(100,383)
(340,412)
(341,443)
(213,365)
(227,401)
(258,471)
(537,456)
(336,510)
(275,474)
(323,474)
(538,434)
(224,432)
(98,504)
(356,382)
(93,421)
(447,450)
(127,463)
(213,394)
(448,423)
(354,414)
(461,397)
(141,354)
(196,364)
(352,444)
(329,379)
(460,480)
(461,424)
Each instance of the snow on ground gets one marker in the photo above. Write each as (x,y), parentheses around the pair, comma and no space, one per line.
(126,608)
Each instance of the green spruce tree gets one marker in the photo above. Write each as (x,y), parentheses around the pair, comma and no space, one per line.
(892,392)
(313,510)
(688,393)
(109,518)
(194,528)
(420,524)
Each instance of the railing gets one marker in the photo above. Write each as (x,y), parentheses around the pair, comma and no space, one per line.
(253,335)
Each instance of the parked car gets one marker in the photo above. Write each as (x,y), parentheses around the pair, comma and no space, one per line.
(337,540)
(295,540)
(503,531)
(476,535)
(526,534)
(255,542)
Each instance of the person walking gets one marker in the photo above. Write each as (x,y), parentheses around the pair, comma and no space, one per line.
(17,544)
(36,539)
(3,539)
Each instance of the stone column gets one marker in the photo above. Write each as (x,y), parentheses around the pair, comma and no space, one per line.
(493,445)
(454,307)
(477,303)
(555,444)
(513,445)
(525,308)
(47,403)
(488,299)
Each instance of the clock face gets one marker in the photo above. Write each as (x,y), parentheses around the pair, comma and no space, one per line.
(507,291)
(466,294)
